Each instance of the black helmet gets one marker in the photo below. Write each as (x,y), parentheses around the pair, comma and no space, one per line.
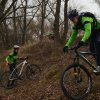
(72,13)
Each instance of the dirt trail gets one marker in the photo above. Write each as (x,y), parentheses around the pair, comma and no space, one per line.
(50,58)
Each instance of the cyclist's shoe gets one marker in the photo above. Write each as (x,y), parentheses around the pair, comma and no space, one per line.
(97,70)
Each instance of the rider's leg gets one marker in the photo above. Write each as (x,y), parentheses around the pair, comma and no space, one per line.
(97,49)
(92,48)
(97,46)
(92,42)
(11,68)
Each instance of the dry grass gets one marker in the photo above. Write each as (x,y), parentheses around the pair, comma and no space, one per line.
(49,56)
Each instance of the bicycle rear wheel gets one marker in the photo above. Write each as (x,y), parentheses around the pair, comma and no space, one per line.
(76,82)
(6,82)
(32,72)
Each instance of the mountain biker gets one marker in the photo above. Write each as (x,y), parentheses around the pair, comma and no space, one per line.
(12,57)
(91,29)
(11,61)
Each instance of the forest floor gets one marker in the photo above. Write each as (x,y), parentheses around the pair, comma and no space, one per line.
(52,61)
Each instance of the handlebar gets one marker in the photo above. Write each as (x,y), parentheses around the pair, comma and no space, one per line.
(83,53)
(25,58)
(76,48)
(73,48)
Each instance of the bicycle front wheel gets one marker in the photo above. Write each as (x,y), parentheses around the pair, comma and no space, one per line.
(6,82)
(76,82)
(33,72)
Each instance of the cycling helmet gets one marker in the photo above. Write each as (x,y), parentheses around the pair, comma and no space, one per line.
(73,13)
(16,47)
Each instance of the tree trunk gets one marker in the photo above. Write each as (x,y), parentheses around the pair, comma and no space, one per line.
(43,12)
(24,23)
(56,22)
(14,24)
(2,33)
(6,35)
(65,22)
(2,7)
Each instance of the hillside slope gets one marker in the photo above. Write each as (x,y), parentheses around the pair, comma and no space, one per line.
(49,56)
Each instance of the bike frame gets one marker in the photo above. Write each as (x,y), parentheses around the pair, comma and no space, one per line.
(80,55)
(22,64)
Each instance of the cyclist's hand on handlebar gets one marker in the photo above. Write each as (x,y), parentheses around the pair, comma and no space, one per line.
(65,49)
(20,58)
(25,57)
(7,63)
(80,43)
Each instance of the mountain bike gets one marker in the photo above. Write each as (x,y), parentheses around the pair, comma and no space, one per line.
(76,80)
(9,79)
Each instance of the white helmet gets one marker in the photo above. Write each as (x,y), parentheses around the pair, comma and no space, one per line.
(16,47)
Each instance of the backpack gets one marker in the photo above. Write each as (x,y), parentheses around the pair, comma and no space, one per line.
(89,14)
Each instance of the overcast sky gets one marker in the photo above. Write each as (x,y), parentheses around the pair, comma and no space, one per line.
(80,5)
(85,5)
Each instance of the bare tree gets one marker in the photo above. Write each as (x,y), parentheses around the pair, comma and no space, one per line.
(56,22)
(98,1)
(2,7)
(14,23)
(19,17)
(4,13)
(43,13)
(65,21)
(24,23)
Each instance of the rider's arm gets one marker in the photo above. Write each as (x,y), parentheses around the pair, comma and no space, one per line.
(20,58)
(8,58)
(87,22)
(87,33)
(73,36)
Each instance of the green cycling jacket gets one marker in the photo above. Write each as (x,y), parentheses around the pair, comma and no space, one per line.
(87,26)
(11,58)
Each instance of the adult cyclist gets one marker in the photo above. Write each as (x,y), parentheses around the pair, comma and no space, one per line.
(91,29)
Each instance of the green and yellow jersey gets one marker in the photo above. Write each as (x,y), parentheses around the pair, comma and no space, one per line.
(87,26)
(11,58)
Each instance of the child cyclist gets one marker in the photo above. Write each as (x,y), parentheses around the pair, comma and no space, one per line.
(11,62)
(12,57)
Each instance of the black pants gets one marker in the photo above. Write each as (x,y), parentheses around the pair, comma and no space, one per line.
(11,67)
(95,44)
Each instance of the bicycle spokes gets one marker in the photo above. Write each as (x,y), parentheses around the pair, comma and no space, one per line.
(13,75)
(77,74)
(32,72)
(6,82)
(75,81)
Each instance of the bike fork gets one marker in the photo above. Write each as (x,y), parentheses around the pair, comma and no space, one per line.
(77,72)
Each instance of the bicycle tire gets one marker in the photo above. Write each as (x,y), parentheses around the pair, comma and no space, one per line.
(33,71)
(5,78)
(66,92)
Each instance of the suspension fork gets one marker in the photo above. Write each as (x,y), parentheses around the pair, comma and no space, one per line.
(76,60)
(77,68)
